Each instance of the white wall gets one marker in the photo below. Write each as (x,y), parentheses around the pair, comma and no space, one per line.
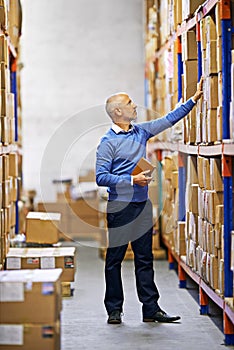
(75,54)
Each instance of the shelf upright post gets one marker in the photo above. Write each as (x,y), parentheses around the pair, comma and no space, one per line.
(203,301)
(180,155)
(199,51)
(225,15)
(13,67)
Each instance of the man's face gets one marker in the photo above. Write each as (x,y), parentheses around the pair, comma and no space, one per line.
(128,109)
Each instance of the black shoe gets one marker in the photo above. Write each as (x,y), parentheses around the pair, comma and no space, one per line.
(114,317)
(161,316)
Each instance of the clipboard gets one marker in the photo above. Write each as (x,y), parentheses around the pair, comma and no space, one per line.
(143,165)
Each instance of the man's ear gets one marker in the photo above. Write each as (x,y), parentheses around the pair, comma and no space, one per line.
(118,112)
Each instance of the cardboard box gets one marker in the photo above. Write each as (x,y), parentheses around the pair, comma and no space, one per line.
(42,227)
(4,130)
(211,57)
(190,78)
(189,46)
(203,34)
(181,238)
(30,336)
(4,54)
(212,91)
(218,20)
(44,258)
(216,180)
(219,54)
(220,123)
(5,77)
(212,125)
(192,177)
(210,29)
(13,165)
(30,296)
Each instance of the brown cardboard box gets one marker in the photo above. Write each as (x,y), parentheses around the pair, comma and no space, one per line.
(43,258)
(211,54)
(5,193)
(5,77)
(220,86)
(203,34)
(189,45)
(30,336)
(220,123)
(5,167)
(4,54)
(54,207)
(192,170)
(212,125)
(42,227)
(210,29)
(181,238)
(218,20)
(190,78)
(206,173)
(5,130)
(212,92)
(219,54)
(23,289)
(216,174)
(13,164)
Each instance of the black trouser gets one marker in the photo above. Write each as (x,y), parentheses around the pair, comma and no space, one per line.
(130,222)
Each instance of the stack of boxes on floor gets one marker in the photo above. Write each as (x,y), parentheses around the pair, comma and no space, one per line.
(30,306)
(32,286)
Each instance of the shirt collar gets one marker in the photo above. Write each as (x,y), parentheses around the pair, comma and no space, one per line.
(117,129)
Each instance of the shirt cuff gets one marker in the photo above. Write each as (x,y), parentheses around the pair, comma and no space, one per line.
(132,180)
(193,100)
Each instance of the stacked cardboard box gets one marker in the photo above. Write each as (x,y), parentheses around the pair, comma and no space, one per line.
(212,71)
(204,218)
(44,258)
(8,198)
(170,195)
(30,307)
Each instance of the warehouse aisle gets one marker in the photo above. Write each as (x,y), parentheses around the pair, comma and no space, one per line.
(84,317)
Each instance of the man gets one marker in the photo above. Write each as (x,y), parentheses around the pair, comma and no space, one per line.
(129,211)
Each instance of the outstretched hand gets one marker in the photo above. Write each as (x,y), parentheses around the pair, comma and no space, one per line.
(142,179)
(198,94)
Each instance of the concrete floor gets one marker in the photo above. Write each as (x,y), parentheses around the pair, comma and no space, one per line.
(84,318)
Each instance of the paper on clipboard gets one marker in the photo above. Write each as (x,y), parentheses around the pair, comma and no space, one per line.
(143,165)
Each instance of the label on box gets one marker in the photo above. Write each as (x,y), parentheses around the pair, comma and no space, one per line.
(33,261)
(11,291)
(11,334)
(47,288)
(69,262)
(13,263)
(47,262)
(47,332)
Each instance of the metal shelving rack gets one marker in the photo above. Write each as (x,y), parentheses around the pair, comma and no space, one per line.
(224,149)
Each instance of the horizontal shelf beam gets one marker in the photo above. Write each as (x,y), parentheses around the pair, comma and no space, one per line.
(214,150)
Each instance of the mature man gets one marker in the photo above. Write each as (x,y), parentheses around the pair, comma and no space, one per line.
(129,211)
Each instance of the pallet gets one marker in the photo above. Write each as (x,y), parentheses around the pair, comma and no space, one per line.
(159,254)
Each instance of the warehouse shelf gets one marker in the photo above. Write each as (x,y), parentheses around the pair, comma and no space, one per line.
(223,149)
(203,286)
(202,11)
(214,150)
(228,149)
(8,149)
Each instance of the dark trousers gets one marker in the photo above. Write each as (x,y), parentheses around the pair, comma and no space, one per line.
(130,222)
